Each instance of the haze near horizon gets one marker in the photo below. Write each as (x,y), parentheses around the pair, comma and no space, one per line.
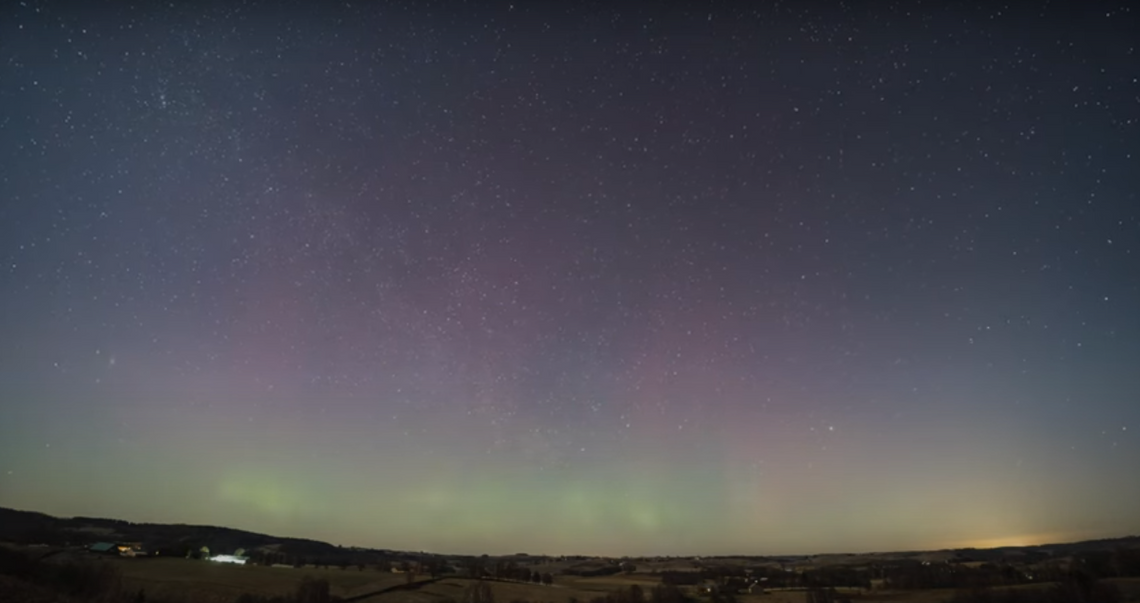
(586,280)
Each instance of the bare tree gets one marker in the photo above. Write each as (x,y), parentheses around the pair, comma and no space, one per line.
(478,592)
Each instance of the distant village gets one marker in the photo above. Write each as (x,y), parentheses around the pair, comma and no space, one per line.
(719,579)
(705,576)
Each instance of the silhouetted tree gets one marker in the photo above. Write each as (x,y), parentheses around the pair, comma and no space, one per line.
(476,567)
(1082,587)
(1128,560)
(478,592)
(667,593)
(311,590)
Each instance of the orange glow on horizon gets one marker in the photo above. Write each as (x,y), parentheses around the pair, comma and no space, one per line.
(1003,541)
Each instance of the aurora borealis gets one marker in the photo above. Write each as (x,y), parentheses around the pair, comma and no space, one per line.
(590,279)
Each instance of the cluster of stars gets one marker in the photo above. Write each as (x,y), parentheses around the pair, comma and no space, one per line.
(611,254)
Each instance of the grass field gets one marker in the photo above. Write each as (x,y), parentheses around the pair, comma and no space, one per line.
(210,582)
(188,580)
(222,583)
(504,592)
(606,584)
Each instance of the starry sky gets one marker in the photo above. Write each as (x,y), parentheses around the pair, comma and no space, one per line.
(602,279)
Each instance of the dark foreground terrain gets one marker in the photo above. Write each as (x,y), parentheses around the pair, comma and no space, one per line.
(45,558)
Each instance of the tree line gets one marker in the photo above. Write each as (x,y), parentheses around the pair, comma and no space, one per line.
(1118,563)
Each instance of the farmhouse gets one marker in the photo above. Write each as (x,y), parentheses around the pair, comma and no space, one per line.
(236,559)
(123,549)
(104,548)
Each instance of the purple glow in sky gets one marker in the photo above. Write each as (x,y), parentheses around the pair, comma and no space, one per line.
(574,279)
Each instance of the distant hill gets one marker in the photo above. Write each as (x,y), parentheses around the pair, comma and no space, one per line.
(29,527)
(1064,549)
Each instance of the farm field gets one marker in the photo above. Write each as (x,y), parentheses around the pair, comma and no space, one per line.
(453,589)
(205,581)
(181,580)
(222,583)
(184,580)
(1129,589)
(605,584)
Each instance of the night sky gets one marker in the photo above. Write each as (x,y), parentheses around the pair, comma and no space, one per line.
(593,280)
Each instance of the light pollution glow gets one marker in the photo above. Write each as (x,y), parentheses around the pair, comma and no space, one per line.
(599,282)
